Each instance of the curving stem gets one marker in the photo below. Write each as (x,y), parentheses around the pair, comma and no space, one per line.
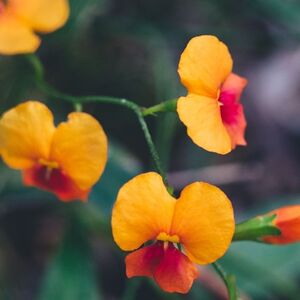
(77,101)
(229,281)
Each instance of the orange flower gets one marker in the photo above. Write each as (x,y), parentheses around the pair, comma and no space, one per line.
(287,220)
(211,111)
(20,19)
(196,228)
(66,160)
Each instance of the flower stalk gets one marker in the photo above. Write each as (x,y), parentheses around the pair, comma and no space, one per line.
(229,280)
(256,228)
(77,101)
(166,106)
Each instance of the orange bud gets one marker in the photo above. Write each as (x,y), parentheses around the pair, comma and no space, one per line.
(287,220)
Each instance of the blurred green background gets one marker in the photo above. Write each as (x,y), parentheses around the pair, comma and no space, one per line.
(130,49)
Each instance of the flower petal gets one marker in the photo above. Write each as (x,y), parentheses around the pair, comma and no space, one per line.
(54,181)
(80,148)
(204,65)
(15,37)
(143,262)
(204,221)
(202,117)
(175,272)
(41,15)
(143,209)
(25,134)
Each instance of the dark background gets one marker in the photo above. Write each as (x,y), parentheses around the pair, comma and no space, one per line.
(130,49)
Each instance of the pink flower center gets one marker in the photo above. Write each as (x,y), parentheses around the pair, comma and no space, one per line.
(229,107)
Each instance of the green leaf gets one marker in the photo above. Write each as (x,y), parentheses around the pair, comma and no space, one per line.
(121,167)
(264,271)
(70,275)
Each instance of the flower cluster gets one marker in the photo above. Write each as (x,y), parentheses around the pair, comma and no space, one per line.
(168,236)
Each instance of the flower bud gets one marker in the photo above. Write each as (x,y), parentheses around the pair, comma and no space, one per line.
(280,226)
(287,220)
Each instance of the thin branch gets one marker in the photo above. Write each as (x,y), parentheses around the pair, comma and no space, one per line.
(77,101)
(229,281)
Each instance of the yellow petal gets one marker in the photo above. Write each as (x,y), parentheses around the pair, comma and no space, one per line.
(143,209)
(25,134)
(41,15)
(202,117)
(204,65)
(204,221)
(80,148)
(15,37)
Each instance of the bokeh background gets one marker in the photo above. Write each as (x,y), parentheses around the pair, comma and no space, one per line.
(130,49)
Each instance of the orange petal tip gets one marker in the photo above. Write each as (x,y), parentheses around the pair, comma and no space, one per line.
(204,65)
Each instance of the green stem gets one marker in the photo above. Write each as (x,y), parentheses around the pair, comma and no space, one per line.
(229,281)
(78,107)
(256,228)
(166,106)
(77,101)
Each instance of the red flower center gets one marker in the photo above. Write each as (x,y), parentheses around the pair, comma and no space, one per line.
(171,269)
(54,180)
